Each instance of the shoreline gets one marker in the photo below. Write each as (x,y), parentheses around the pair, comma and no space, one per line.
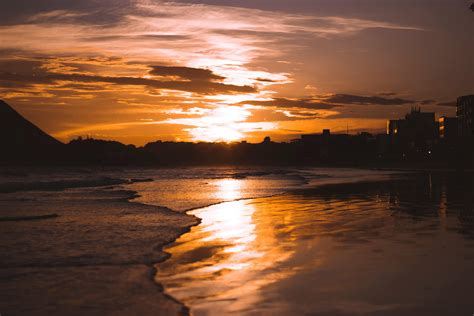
(290,191)
(79,279)
(190,275)
(127,198)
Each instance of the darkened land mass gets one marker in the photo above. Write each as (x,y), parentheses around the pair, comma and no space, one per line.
(24,143)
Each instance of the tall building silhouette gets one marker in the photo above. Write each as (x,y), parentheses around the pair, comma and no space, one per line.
(465,114)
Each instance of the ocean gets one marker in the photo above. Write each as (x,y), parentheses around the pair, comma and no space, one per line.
(243,241)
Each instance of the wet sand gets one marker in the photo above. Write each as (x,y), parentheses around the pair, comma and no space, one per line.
(95,257)
(398,247)
(401,247)
(91,250)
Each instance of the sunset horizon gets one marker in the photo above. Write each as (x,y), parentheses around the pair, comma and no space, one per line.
(139,71)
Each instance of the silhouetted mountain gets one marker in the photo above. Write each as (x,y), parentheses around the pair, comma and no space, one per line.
(22,141)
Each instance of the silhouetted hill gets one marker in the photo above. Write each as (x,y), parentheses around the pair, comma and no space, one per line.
(22,141)
(103,152)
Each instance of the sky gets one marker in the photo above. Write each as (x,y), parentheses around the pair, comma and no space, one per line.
(143,70)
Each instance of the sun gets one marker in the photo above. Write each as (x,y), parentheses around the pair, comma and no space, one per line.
(224,123)
(217,133)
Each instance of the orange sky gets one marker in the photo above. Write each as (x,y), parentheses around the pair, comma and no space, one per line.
(138,71)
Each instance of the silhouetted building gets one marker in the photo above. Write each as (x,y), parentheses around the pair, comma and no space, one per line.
(320,138)
(311,138)
(465,114)
(448,127)
(417,127)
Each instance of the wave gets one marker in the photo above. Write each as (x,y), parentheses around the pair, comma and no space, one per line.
(59,185)
(27,218)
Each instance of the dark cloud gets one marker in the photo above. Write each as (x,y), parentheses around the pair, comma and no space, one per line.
(427,102)
(187,73)
(388,94)
(167,37)
(269,33)
(265,80)
(87,11)
(304,114)
(291,103)
(348,99)
(270,115)
(80,87)
(451,103)
(20,66)
(329,102)
(197,86)
(157,37)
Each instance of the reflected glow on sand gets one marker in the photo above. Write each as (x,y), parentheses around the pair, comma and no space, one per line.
(218,262)
(370,252)
(229,189)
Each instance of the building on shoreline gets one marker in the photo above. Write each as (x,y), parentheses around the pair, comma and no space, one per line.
(465,114)
(417,128)
(448,128)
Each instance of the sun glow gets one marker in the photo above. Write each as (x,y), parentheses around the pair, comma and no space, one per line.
(229,189)
(222,124)
(216,133)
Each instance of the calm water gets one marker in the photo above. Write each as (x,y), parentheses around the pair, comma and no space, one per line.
(399,247)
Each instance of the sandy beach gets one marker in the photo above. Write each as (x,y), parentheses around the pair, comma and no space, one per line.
(283,242)
(94,258)
(399,247)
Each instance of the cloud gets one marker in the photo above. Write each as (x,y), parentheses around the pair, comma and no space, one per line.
(201,87)
(186,73)
(349,99)
(265,80)
(22,66)
(450,103)
(141,49)
(387,94)
(136,38)
(135,26)
(79,12)
(191,35)
(331,101)
(287,115)
(427,102)
(291,103)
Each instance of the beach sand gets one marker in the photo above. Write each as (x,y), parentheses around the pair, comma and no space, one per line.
(401,245)
(94,258)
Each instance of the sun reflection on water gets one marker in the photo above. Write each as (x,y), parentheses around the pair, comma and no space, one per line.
(229,189)
(220,258)
(319,252)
